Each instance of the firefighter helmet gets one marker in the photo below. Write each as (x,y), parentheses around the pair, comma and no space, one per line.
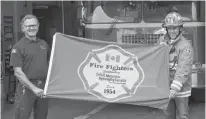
(173,19)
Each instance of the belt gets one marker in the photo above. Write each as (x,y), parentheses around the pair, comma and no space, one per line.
(39,82)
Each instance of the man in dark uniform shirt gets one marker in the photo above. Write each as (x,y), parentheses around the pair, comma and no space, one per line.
(29,58)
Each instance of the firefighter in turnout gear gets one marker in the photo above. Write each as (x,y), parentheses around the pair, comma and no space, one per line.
(181,59)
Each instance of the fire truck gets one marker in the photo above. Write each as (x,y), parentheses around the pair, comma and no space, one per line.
(140,22)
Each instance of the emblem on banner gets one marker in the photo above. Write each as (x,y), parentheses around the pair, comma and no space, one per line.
(111,73)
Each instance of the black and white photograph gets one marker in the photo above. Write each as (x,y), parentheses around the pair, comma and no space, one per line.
(130,59)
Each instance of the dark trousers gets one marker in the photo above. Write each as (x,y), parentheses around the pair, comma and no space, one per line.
(178,107)
(26,100)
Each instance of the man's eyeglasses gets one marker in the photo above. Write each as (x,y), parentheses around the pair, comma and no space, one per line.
(29,26)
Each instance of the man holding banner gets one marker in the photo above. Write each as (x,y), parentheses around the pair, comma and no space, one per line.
(181,59)
(29,58)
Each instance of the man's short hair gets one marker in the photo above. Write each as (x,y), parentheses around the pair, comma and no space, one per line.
(28,16)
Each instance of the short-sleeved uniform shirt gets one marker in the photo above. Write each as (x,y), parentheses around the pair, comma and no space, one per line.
(32,57)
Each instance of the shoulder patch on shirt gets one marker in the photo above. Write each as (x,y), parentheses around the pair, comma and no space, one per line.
(42,47)
(13,51)
(187,52)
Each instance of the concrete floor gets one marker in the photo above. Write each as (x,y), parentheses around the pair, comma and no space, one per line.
(69,109)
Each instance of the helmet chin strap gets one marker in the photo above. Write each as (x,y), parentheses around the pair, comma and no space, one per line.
(173,41)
